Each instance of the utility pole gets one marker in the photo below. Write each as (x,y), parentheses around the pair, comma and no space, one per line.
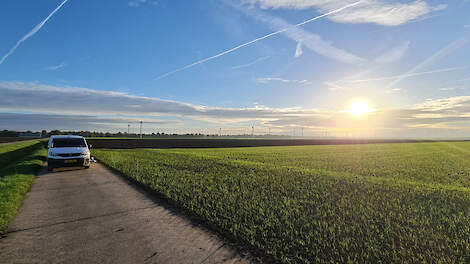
(302,132)
(141,129)
(252,130)
(128,129)
(220,131)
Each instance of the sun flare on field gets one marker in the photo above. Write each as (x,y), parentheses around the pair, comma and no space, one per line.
(359,108)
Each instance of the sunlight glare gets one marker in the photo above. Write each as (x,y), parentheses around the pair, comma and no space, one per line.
(359,108)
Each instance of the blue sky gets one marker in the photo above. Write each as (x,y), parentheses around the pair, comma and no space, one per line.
(105,64)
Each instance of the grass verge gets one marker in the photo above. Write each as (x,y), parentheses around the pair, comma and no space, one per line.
(15,181)
(14,152)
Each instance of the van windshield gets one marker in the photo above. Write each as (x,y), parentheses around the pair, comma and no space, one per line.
(68,142)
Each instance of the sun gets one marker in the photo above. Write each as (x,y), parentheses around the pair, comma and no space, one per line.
(359,108)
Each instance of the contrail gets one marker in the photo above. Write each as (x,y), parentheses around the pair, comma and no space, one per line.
(407,75)
(256,40)
(31,33)
(251,63)
(454,45)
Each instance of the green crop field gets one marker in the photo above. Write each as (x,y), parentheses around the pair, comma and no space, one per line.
(378,203)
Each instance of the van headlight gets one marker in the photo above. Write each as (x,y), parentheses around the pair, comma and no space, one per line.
(85,153)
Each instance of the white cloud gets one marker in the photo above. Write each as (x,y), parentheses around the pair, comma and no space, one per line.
(404,76)
(31,33)
(37,122)
(309,40)
(388,56)
(415,71)
(440,114)
(266,80)
(458,105)
(381,12)
(137,3)
(461,80)
(447,88)
(298,50)
(16,96)
(450,48)
(394,54)
(348,83)
(387,14)
(56,67)
(104,108)
(395,90)
(333,86)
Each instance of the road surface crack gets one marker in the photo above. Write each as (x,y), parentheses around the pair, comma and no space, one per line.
(211,254)
(80,219)
(151,256)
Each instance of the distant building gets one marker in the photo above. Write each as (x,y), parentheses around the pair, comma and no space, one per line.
(29,135)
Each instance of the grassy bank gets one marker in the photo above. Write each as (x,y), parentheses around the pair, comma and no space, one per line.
(384,203)
(14,152)
(15,181)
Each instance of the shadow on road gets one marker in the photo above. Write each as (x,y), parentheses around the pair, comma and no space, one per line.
(66,169)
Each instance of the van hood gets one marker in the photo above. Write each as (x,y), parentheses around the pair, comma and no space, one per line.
(68,150)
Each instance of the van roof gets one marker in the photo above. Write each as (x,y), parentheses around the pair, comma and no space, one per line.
(66,136)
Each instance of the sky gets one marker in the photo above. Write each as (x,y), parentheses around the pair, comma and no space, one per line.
(283,66)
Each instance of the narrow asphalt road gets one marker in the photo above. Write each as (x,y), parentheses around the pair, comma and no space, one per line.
(95,216)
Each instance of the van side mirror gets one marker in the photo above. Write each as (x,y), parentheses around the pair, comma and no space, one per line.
(89,146)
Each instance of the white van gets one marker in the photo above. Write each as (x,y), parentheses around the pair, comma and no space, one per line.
(64,151)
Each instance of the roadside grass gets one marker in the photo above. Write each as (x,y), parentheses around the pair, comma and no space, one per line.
(15,181)
(11,153)
(14,139)
(382,203)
